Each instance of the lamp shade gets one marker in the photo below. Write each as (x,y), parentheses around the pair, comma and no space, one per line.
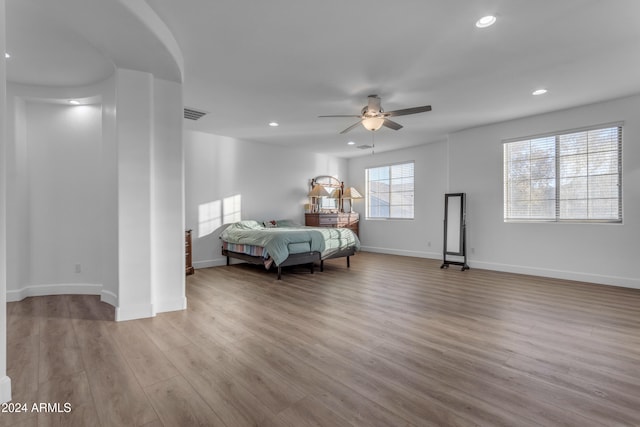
(351,193)
(335,194)
(373,123)
(318,191)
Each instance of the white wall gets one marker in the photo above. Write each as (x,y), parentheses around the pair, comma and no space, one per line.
(63,154)
(54,196)
(271,182)
(18,211)
(88,224)
(601,253)
(5,381)
(100,186)
(422,236)
(471,162)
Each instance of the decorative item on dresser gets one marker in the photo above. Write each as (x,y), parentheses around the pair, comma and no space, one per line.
(317,193)
(351,194)
(187,253)
(350,220)
(326,194)
(328,210)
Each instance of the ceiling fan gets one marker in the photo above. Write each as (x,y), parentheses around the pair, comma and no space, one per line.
(373,117)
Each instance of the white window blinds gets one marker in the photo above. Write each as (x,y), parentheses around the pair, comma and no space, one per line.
(573,176)
(390,191)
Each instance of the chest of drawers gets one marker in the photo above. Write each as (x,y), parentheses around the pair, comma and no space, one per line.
(348,220)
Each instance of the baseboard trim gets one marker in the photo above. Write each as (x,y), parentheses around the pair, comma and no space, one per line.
(5,389)
(109,297)
(171,305)
(218,262)
(134,311)
(56,289)
(402,252)
(625,282)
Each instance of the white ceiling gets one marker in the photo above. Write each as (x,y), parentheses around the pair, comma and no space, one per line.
(251,62)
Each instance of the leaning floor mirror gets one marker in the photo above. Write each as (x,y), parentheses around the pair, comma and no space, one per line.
(455,240)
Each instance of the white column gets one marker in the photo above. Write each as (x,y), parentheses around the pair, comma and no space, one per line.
(167,199)
(150,195)
(5,381)
(109,192)
(134,115)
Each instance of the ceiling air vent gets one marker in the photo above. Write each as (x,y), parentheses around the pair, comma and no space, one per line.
(192,114)
(364,147)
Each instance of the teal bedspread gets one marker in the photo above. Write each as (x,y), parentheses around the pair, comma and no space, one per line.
(276,240)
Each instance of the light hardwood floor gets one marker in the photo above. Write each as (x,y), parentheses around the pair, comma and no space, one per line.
(392,341)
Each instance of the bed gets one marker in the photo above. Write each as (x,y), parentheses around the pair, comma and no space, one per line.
(283,243)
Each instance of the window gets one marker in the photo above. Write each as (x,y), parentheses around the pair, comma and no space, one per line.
(573,176)
(390,191)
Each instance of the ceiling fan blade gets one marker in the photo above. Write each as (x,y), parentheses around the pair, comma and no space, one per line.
(351,127)
(390,124)
(343,115)
(374,104)
(407,111)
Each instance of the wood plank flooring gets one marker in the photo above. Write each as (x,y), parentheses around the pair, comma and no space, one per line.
(392,341)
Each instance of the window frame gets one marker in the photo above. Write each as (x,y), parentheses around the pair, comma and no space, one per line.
(558,176)
(390,193)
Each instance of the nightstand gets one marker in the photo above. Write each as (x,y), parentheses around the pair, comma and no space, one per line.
(187,253)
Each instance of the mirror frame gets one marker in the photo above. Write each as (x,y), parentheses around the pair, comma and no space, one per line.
(455,229)
(329,181)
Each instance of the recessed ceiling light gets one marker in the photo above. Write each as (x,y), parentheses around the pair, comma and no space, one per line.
(74,102)
(274,124)
(539,92)
(486,21)
(351,143)
(7,55)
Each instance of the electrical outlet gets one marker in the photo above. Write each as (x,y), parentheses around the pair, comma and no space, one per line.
(429,243)
(473,250)
(78,268)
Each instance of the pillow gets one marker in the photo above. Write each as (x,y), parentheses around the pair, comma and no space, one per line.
(287,223)
(248,224)
(270,224)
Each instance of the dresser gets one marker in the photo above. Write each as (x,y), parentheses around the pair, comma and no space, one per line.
(350,220)
(187,253)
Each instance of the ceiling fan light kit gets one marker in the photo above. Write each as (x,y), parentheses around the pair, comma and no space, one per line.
(486,21)
(373,123)
(373,117)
